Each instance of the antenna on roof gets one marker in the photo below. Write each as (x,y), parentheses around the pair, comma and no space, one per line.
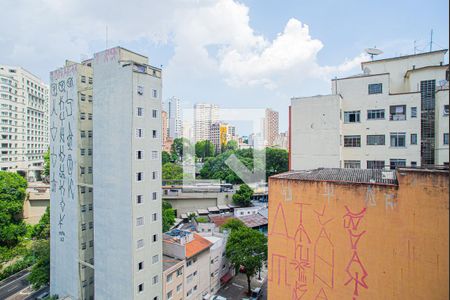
(431,40)
(373,52)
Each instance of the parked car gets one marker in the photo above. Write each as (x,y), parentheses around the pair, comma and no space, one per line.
(217,297)
(256,294)
(42,296)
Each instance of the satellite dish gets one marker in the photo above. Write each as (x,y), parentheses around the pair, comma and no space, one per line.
(373,51)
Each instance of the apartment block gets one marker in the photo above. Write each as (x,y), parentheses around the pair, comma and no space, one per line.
(127,176)
(339,233)
(270,127)
(174,117)
(221,134)
(391,115)
(24,129)
(204,116)
(71,176)
(173,278)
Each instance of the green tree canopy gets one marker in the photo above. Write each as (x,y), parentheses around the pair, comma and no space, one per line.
(247,248)
(172,171)
(166,157)
(243,196)
(204,149)
(12,195)
(231,145)
(42,229)
(40,272)
(276,161)
(233,224)
(46,171)
(177,147)
(168,216)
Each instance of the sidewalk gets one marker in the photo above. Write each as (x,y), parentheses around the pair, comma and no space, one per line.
(236,289)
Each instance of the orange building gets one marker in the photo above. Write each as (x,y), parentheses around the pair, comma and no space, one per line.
(359,234)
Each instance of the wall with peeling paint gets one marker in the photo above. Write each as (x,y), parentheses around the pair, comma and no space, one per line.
(359,241)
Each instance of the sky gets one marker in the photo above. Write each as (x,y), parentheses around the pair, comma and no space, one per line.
(237,54)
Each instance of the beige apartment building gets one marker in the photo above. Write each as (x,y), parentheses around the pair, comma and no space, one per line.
(205,115)
(24,127)
(173,278)
(270,127)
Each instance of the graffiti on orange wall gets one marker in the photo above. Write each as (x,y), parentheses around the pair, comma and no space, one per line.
(355,268)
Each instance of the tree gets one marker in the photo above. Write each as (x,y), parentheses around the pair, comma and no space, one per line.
(247,248)
(243,196)
(42,229)
(177,147)
(46,171)
(276,161)
(204,149)
(168,216)
(40,272)
(233,224)
(172,171)
(12,195)
(231,145)
(166,157)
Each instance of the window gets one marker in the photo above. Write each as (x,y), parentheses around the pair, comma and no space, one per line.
(83,208)
(139,154)
(414,164)
(83,79)
(413,138)
(82,133)
(89,151)
(154,175)
(352,116)
(376,139)
(155,279)
(445,138)
(169,277)
(398,139)
(155,259)
(82,170)
(140,288)
(375,88)
(352,164)
(90,133)
(155,217)
(83,226)
(90,80)
(179,272)
(179,287)
(189,263)
(140,90)
(352,141)
(83,246)
(140,265)
(140,243)
(413,112)
(395,163)
(139,132)
(169,295)
(139,221)
(82,97)
(154,113)
(140,111)
(82,152)
(375,164)
(155,93)
(90,98)
(154,154)
(139,176)
(154,134)
(397,112)
(139,199)
(155,238)
(154,196)
(375,114)
(446,110)
(82,116)
(91,225)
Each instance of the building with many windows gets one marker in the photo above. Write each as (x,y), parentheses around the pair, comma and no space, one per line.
(204,116)
(24,126)
(270,126)
(221,134)
(174,118)
(394,114)
(106,128)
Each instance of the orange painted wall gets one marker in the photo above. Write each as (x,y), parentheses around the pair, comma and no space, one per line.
(355,241)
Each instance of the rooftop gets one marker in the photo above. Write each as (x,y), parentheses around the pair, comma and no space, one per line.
(358,176)
(254,220)
(197,245)
(219,220)
(169,262)
(404,56)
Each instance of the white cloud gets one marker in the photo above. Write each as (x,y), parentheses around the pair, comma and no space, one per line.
(45,33)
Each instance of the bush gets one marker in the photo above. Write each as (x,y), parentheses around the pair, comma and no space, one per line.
(17,267)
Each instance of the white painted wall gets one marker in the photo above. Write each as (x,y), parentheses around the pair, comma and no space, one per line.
(442,126)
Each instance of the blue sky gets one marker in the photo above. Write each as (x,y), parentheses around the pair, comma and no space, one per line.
(246,54)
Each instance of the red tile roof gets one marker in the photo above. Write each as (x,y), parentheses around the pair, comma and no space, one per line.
(197,245)
(219,220)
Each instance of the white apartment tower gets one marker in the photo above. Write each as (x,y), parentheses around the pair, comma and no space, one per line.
(394,114)
(204,116)
(127,176)
(23,121)
(71,190)
(174,120)
(106,178)
(270,126)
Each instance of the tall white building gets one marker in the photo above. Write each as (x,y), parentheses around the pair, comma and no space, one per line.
(204,116)
(174,118)
(391,115)
(106,178)
(127,176)
(23,121)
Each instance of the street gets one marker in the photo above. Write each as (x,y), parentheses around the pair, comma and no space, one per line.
(14,284)
(236,289)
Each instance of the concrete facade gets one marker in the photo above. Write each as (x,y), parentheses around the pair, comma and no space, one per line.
(36,202)
(204,116)
(270,127)
(24,129)
(336,235)
(127,176)
(174,118)
(383,118)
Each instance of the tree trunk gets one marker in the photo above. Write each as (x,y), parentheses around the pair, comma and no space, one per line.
(249,286)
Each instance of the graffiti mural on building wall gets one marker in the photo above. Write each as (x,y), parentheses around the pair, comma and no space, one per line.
(61,134)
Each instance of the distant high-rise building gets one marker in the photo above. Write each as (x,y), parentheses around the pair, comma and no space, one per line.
(166,140)
(221,134)
(393,114)
(270,126)
(24,128)
(204,116)
(106,119)
(174,117)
